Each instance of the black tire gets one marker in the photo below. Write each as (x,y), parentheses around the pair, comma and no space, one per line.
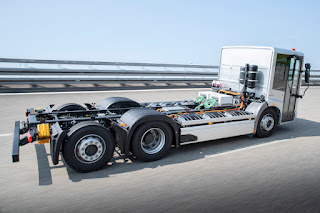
(70,107)
(93,140)
(161,135)
(267,123)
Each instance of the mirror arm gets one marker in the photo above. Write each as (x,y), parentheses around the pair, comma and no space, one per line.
(296,95)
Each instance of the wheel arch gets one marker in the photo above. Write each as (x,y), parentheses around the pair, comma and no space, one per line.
(278,112)
(136,117)
(257,108)
(70,107)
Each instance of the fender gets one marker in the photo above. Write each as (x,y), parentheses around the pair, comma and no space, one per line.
(135,117)
(257,108)
(59,136)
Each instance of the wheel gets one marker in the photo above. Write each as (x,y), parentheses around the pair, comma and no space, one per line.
(88,148)
(70,107)
(152,141)
(267,123)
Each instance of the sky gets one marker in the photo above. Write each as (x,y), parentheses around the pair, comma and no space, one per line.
(166,31)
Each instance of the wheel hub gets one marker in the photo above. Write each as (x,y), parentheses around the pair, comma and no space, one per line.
(153,140)
(89,148)
(267,123)
(149,138)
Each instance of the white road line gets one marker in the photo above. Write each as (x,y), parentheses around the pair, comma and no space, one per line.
(247,148)
(5,135)
(88,92)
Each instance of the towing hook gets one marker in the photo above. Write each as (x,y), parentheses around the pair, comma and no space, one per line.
(23,141)
(24,128)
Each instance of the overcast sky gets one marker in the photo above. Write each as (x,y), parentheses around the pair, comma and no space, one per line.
(163,31)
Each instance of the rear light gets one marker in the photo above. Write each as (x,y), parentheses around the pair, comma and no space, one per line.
(29,137)
(27,112)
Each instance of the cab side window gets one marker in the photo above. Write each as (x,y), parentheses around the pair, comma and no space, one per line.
(282,66)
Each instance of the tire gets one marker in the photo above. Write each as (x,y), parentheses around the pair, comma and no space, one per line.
(152,141)
(70,107)
(88,147)
(267,123)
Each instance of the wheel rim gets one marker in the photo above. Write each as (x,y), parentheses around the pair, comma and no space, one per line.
(267,123)
(153,140)
(90,148)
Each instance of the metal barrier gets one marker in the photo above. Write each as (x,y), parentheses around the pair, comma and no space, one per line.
(34,71)
(42,71)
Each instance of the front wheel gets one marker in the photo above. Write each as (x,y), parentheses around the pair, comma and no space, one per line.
(267,123)
(88,148)
(152,141)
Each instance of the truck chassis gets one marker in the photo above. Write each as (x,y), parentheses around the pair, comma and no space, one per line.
(87,136)
(246,100)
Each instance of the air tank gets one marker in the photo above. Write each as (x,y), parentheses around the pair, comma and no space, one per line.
(252,76)
(242,75)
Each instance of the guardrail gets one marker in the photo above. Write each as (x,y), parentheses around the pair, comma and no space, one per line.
(20,72)
(35,71)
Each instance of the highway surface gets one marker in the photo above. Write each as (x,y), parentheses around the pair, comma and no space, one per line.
(241,174)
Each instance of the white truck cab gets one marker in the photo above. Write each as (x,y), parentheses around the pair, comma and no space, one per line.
(278,76)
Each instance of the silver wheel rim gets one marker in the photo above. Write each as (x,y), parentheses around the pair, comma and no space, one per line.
(90,148)
(153,140)
(267,123)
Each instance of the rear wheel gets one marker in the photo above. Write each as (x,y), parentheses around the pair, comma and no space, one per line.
(152,141)
(267,123)
(88,148)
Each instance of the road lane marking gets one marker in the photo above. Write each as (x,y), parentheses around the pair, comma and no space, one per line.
(88,92)
(246,148)
(5,135)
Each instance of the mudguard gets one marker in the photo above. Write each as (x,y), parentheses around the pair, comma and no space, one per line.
(117,102)
(59,136)
(257,108)
(135,117)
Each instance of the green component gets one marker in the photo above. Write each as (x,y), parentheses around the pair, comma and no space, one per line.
(199,99)
(210,103)
(199,107)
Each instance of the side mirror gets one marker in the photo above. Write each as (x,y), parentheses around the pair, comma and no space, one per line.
(307,73)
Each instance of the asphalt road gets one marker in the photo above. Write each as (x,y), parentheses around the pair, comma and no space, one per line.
(241,174)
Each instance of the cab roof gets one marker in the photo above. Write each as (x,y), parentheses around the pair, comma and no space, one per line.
(273,49)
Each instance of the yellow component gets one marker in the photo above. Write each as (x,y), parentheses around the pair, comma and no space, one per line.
(229,92)
(254,131)
(210,123)
(42,141)
(275,104)
(43,131)
(123,124)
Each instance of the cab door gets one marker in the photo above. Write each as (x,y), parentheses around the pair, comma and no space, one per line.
(292,88)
